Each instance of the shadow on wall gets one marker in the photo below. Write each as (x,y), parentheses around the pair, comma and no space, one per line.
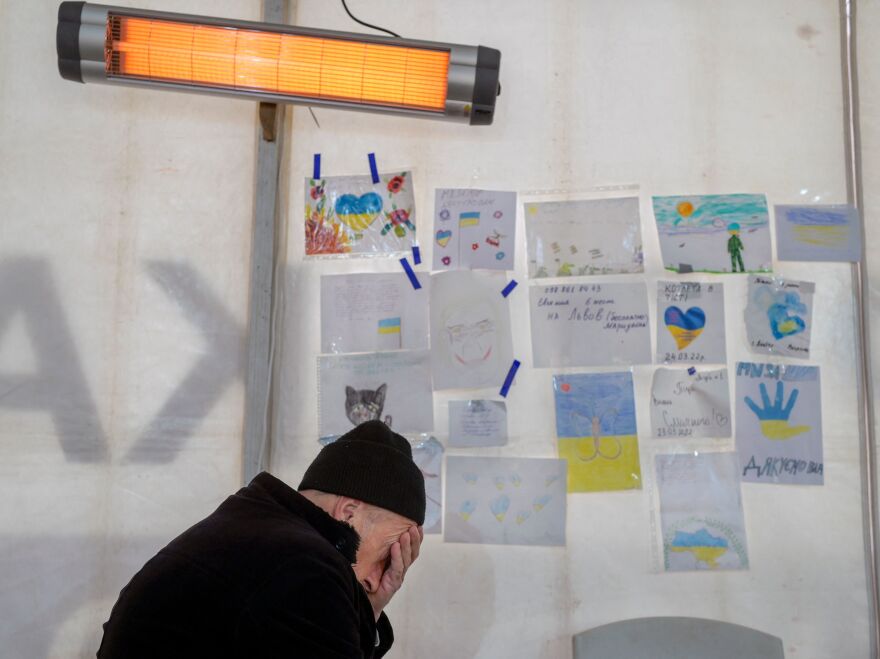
(58,590)
(58,385)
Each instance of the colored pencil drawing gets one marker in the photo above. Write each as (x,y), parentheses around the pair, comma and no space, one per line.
(470,330)
(505,501)
(779,316)
(584,237)
(714,233)
(474,229)
(428,456)
(693,322)
(818,233)
(701,516)
(596,430)
(352,215)
(779,423)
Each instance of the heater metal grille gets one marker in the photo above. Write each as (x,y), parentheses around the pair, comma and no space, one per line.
(278,63)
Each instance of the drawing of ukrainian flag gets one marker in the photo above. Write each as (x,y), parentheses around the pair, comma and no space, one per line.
(389,326)
(469,219)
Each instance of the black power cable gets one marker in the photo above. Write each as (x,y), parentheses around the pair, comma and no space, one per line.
(369,25)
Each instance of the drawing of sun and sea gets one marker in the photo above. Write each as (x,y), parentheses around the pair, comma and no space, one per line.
(714,233)
(596,427)
(702,544)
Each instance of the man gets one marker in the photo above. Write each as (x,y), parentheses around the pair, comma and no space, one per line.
(278,573)
(735,248)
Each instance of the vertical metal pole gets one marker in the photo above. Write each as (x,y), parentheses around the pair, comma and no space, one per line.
(861,309)
(268,240)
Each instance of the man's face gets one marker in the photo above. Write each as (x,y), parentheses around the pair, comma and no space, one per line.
(378,529)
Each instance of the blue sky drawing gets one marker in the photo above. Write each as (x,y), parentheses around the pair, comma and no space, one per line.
(711,214)
(607,395)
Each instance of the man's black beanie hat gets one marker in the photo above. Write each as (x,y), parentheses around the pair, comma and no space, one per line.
(374,464)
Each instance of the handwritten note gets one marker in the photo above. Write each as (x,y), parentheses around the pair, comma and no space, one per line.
(684,405)
(474,229)
(690,322)
(365,312)
(477,423)
(590,325)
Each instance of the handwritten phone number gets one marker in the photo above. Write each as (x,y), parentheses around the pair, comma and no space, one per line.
(684,357)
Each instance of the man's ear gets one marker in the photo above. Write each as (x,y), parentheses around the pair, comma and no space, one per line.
(346,508)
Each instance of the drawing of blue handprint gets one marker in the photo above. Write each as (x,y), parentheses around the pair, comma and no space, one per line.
(774,417)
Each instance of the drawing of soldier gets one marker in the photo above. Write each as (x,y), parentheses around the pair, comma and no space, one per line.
(735,247)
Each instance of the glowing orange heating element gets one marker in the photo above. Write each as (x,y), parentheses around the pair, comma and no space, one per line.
(287,64)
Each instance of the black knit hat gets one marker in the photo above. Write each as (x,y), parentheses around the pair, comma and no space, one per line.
(373,464)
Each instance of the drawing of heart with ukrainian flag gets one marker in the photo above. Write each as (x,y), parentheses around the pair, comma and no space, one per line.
(782,324)
(443,237)
(685,326)
(357,213)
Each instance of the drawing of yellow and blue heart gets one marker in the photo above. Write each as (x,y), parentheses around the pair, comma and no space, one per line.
(782,322)
(358,213)
(685,326)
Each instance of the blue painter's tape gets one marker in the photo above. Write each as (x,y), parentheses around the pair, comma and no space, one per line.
(509,288)
(407,268)
(417,255)
(374,171)
(692,371)
(514,367)
(316,167)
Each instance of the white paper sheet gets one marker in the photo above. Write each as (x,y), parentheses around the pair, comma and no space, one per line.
(470,330)
(394,387)
(779,316)
(477,423)
(818,233)
(428,456)
(508,501)
(701,512)
(685,405)
(779,423)
(690,323)
(474,229)
(585,237)
(354,216)
(590,325)
(369,312)
(714,233)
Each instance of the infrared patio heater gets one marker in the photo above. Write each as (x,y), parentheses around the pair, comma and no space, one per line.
(277,63)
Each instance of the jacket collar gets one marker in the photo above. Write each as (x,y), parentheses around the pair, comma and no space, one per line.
(339,534)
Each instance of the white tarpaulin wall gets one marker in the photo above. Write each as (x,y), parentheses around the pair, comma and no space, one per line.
(125,220)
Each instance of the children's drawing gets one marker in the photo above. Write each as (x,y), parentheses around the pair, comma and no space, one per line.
(590,324)
(701,512)
(366,312)
(474,229)
(818,233)
(528,508)
(394,387)
(352,215)
(477,423)
(692,329)
(586,237)
(714,233)
(596,427)
(779,316)
(428,456)
(779,423)
(470,330)
(690,405)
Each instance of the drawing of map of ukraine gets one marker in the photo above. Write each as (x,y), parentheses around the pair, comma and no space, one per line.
(703,544)
(705,547)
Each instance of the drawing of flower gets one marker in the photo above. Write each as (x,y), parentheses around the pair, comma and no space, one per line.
(323,237)
(317,191)
(395,184)
(398,219)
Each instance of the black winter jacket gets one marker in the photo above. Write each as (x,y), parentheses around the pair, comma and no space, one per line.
(268,574)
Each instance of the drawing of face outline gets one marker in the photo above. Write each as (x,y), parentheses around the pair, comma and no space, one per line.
(471,332)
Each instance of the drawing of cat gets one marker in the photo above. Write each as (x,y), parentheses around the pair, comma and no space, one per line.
(363,405)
